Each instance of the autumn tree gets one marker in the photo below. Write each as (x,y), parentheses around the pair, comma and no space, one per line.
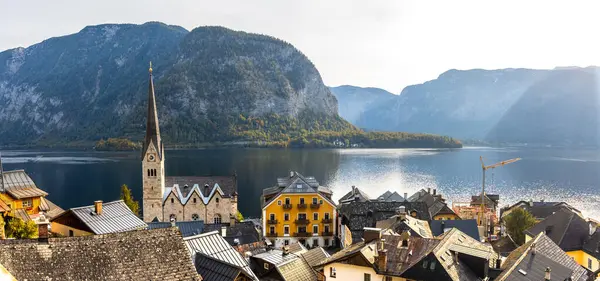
(2,224)
(517,222)
(17,228)
(126,196)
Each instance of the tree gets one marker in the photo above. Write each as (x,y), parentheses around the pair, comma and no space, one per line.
(2,224)
(17,228)
(239,216)
(126,196)
(517,222)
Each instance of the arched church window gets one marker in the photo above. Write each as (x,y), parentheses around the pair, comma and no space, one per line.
(154,171)
(148,172)
(172,200)
(217,218)
(195,217)
(194,200)
(217,199)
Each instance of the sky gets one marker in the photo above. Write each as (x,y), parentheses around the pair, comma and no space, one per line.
(370,43)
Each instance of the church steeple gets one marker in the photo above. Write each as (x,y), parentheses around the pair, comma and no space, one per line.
(152,128)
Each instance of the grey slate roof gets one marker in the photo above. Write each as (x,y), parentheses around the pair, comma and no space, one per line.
(567,229)
(547,254)
(228,184)
(541,210)
(297,183)
(187,228)
(315,256)
(19,185)
(292,266)
(52,210)
(242,232)
(391,197)
(115,217)
(136,255)
(216,270)
(212,244)
(398,224)
(469,227)
(435,204)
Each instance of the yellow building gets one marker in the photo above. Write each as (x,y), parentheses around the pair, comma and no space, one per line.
(573,234)
(298,209)
(21,198)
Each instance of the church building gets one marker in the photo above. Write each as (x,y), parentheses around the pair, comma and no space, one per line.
(211,199)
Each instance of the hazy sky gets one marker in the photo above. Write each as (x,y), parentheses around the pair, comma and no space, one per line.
(386,44)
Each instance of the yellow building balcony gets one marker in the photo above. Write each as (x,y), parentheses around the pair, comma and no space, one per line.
(287,206)
(271,234)
(315,206)
(303,234)
(271,221)
(326,221)
(326,233)
(301,206)
(302,221)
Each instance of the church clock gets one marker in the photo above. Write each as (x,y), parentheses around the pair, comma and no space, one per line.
(151,157)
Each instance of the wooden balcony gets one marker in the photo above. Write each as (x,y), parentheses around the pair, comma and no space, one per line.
(301,206)
(302,221)
(326,221)
(287,206)
(326,233)
(315,206)
(271,221)
(272,234)
(303,234)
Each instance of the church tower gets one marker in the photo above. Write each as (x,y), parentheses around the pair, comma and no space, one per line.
(153,161)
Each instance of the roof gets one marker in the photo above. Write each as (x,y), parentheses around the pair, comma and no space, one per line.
(187,228)
(216,270)
(297,183)
(115,217)
(504,246)
(435,203)
(4,207)
(238,234)
(297,270)
(469,227)
(592,245)
(5,275)
(315,256)
(400,259)
(353,194)
(22,214)
(277,257)
(296,248)
(227,184)
(19,185)
(51,210)
(358,215)
(212,244)
(152,127)
(547,254)
(541,210)
(491,200)
(399,223)
(567,229)
(391,197)
(135,255)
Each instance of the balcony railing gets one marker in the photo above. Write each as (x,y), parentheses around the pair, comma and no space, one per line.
(302,234)
(315,206)
(301,206)
(271,234)
(326,220)
(287,206)
(326,233)
(271,221)
(302,221)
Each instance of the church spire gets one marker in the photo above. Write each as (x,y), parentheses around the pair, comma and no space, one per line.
(152,129)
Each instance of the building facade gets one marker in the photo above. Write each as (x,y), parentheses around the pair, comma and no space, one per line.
(211,199)
(298,209)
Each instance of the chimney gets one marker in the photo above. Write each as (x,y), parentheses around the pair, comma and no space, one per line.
(285,250)
(382,257)
(371,234)
(405,195)
(291,174)
(530,202)
(232,220)
(223,231)
(434,191)
(43,229)
(98,207)
(547,274)
(405,237)
(429,190)
(402,212)
(206,187)
(353,189)
(533,248)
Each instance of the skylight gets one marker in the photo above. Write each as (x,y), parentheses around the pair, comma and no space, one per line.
(522,271)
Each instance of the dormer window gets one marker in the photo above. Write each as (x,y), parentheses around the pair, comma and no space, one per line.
(298,186)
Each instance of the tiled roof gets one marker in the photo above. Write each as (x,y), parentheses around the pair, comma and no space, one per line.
(435,205)
(400,259)
(398,224)
(216,270)
(353,193)
(115,217)
(3,206)
(19,185)
(592,245)
(541,210)
(296,248)
(391,197)
(212,244)
(297,270)
(504,246)
(567,229)
(22,214)
(297,184)
(187,228)
(491,200)
(136,255)
(469,227)
(228,184)
(277,257)
(346,252)
(240,233)
(315,256)
(547,254)
(53,209)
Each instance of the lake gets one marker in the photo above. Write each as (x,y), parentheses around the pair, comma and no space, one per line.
(76,178)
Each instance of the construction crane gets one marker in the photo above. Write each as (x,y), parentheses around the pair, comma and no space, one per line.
(485,168)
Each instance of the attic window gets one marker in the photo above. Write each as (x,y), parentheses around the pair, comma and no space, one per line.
(448,253)
(266,266)
(298,186)
(442,258)
(425,263)
(548,230)
(523,272)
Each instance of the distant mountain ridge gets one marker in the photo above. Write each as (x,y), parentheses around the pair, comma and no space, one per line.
(545,107)
(354,101)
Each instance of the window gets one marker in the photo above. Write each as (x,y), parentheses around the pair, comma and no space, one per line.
(71,233)
(266,266)
(302,229)
(286,229)
(279,202)
(589,263)
(301,216)
(172,217)
(172,200)
(321,201)
(367,277)
(195,217)
(301,200)
(272,230)
(286,217)
(148,172)
(287,201)
(432,265)
(425,263)
(315,229)
(217,218)
(298,186)
(194,200)
(325,242)
(316,216)
(332,272)
(217,200)
(27,203)
(326,216)
(286,242)
(314,200)
(272,217)
(327,228)
(315,242)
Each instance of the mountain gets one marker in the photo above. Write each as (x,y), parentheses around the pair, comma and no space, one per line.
(213,85)
(354,101)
